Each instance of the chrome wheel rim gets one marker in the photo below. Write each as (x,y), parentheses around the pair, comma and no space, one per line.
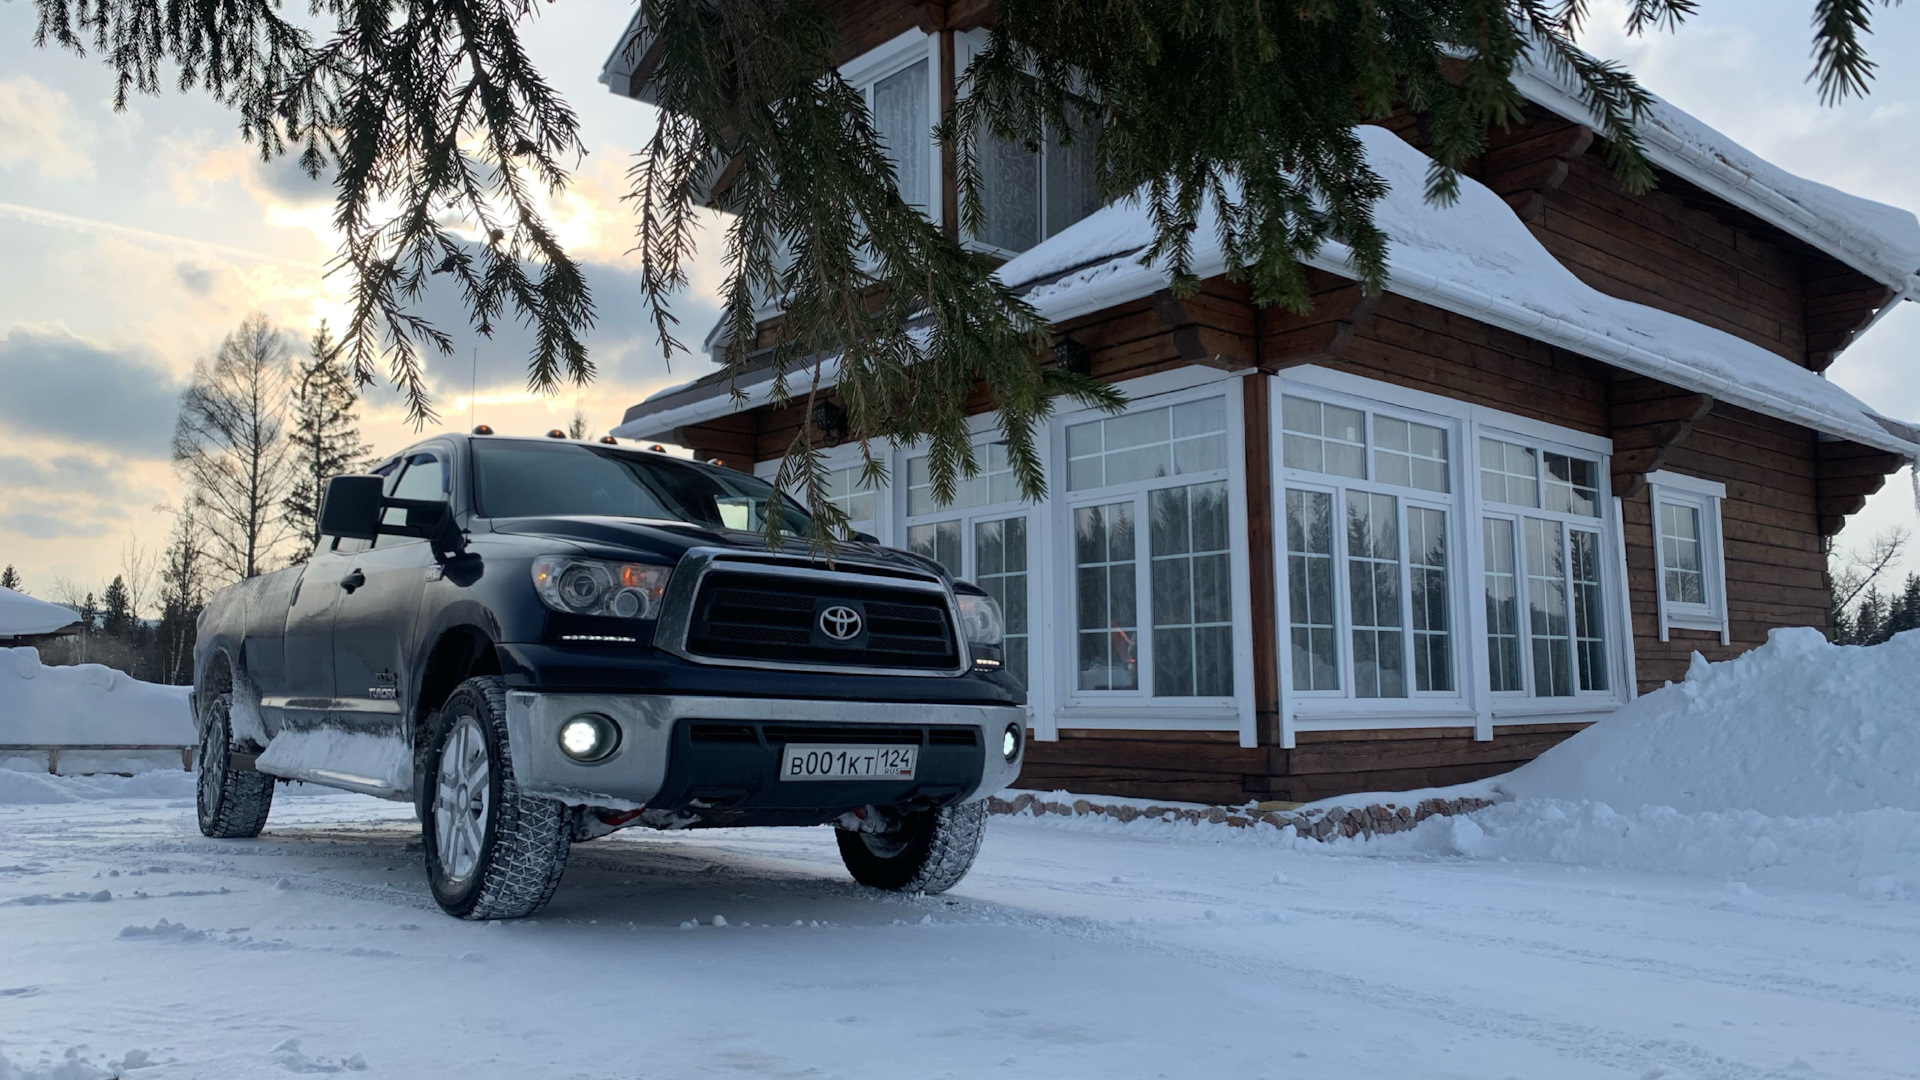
(463,792)
(213,754)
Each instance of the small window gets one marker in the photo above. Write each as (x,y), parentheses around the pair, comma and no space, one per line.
(1509,473)
(1687,546)
(940,542)
(1572,485)
(1316,656)
(1409,454)
(1323,438)
(994,483)
(847,489)
(1174,440)
(1108,623)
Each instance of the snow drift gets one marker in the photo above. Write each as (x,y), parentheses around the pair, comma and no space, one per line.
(1796,727)
(1797,764)
(86,704)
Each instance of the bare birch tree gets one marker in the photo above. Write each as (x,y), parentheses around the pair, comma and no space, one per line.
(231,446)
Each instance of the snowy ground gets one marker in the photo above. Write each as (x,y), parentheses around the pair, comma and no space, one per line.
(1075,949)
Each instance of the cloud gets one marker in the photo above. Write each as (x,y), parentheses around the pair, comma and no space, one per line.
(38,125)
(197,280)
(67,474)
(57,384)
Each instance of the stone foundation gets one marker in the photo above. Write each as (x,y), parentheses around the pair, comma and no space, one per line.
(1318,824)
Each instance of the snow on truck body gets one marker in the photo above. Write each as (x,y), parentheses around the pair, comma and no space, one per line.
(538,641)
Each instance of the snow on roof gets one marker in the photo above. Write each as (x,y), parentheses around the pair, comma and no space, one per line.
(1474,258)
(1477,259)
(1878,240)
(21,615)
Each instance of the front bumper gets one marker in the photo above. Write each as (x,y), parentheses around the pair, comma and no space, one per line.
(655,753)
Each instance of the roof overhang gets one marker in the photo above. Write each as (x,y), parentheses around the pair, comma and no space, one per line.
(1474,258)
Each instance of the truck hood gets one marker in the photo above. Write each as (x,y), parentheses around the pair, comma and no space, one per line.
(664,541)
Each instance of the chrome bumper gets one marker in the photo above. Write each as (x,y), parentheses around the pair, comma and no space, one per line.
(637,769)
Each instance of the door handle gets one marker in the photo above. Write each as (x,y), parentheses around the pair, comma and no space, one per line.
(353,581)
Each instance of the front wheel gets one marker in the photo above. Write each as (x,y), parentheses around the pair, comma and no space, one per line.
(927,852)
(492,852)
(233,803)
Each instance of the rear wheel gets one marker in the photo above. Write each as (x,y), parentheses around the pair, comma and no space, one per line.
(492,852)
(928,852)
(233,803)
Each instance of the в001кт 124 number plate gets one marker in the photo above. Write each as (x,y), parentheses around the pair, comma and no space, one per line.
(848,762)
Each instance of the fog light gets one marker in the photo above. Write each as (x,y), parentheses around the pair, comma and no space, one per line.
(1010,742)
(589,737)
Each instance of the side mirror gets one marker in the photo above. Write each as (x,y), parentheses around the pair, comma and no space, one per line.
(351,507)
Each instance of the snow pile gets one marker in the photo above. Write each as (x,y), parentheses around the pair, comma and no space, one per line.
(1796,727)
(1797,764)
(21,615)
(86,704)
(24,782)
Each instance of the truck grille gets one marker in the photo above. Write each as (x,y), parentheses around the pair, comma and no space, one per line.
(745,616)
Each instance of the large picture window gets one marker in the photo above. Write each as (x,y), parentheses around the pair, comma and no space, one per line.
(1385,479)
(1153,565)
(1545,603)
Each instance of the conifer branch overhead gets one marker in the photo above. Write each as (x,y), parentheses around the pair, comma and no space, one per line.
(441,136)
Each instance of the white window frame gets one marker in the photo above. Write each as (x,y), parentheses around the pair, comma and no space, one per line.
(1138,709)
(1474,701)
(1704,497)
(983,434)
(847,456)
(965,46)
(876,64)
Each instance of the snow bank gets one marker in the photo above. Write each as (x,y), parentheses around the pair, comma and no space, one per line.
(21,614)
(86,704)
(1796,727)
(1796,764)
(26,784)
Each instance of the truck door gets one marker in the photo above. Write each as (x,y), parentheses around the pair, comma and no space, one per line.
(373,626)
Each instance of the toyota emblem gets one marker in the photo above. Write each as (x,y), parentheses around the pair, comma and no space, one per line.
(840,622)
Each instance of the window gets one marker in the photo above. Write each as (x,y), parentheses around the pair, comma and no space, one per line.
(424,479)
(1687,545)
(980,537)
(849,490)
(1030,194)
(1545,602)
(898,81)
(1152,518)
(1171,441)
(1104,580)
(903,121)
(1310,590)
(1386,478)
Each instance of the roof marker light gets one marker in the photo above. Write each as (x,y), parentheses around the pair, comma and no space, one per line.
(483,430)
(610,440)
(556,433)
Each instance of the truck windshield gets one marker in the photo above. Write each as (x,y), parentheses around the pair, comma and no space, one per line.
(528,479)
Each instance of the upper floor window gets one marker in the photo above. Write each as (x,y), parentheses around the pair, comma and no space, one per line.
(899,82)
(1027,196)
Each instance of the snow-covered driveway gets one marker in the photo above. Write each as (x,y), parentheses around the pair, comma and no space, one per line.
(1074,950)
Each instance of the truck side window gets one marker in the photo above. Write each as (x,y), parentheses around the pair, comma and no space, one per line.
(425,479)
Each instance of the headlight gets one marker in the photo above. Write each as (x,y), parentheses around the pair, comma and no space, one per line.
(980,618)
(600,587)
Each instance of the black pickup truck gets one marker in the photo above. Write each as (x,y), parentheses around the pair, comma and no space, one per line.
(539,641)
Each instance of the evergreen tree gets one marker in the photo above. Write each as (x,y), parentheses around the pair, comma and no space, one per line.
(577,427)
(230,443)
(10,578)
(183,590)
(324,432)
(437,125)
(89,616)
(1869,618)
(116,612)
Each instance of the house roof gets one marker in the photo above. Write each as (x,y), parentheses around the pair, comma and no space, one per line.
(1474,258)
(22,615)
(1878,240)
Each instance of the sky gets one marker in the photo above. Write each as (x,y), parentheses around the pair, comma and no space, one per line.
(132,242)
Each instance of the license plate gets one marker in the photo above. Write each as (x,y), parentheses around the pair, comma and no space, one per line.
(799,762)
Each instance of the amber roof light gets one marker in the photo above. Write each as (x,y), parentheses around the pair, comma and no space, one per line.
(483,430)
(556,433)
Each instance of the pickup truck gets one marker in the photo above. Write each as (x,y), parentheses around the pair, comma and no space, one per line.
(538,641)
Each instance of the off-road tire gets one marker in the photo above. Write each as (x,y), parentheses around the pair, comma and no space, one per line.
(523,852)
(233,803)
(928,853)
